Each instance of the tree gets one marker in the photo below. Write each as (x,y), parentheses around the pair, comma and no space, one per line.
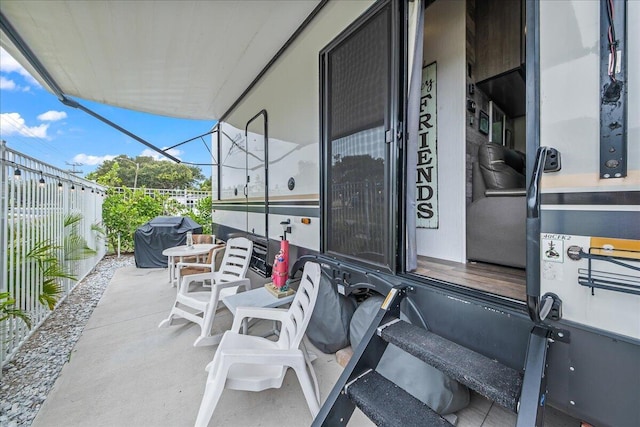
(162,174)
(122,171)
(206,185)
(357,169)
(109,178)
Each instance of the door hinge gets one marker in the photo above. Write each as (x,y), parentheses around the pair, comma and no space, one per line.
(388,136)
(391,133)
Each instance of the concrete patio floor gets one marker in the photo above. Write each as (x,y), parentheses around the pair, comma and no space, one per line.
(125,371)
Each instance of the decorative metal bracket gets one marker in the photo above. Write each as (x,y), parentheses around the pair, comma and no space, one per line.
(626,283)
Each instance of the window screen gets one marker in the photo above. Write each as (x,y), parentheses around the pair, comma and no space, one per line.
(356,201)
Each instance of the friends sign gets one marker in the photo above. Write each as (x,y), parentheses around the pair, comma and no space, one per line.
(427,167)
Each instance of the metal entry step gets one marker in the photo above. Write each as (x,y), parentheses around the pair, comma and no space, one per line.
(488,377)
(388,405)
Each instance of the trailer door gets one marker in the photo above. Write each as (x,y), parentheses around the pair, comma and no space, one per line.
(256,172)
(359,120)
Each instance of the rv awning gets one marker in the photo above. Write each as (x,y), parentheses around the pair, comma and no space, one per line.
(189,59)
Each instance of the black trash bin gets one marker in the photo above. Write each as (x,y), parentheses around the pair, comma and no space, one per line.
(160,233)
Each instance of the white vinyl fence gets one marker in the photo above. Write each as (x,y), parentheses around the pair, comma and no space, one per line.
(185,197)
(50,223)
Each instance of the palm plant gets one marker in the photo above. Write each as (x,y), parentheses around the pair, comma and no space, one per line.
(75,246)
(46,266)
(46,263)
(99,231)
(9,310)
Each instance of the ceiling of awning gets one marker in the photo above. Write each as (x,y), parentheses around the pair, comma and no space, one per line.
(189,59)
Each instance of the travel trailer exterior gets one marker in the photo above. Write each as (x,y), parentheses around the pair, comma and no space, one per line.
(582,226)
(363,139)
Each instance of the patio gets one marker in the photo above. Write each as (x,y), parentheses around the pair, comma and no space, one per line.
(125,371)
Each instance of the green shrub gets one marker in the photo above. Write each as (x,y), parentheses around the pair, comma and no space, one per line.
(123,212)
(126,210)
(201,213)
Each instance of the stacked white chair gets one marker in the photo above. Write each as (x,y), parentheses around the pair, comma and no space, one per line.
(246,362)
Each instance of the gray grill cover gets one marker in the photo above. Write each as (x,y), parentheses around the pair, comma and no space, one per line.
(160,233)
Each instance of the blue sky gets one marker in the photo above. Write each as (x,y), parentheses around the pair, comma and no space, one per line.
(34,122)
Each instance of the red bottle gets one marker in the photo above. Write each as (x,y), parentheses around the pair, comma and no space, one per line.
(280,272)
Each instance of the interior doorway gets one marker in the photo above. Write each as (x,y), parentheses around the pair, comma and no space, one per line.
(475,236)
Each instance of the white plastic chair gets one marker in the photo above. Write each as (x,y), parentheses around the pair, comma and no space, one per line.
(200,306)
(246,362)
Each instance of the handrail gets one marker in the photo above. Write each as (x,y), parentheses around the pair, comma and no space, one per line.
(541,165)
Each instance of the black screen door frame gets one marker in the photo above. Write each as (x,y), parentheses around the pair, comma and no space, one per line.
(393,133)
(263,205)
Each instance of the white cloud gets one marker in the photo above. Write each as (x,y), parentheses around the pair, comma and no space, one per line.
(148,152)
(14,124)
(89,160)
(52,116)
(6,84)
(10,65)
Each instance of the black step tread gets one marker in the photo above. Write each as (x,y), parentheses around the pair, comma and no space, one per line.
(386,404)
(488,377)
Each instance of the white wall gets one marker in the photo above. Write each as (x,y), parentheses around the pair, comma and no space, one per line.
(289,92)
(570,98)
(444,42)
(290,89)
(570,122)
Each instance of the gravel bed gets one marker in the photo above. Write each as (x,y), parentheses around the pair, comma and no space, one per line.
(28,377)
